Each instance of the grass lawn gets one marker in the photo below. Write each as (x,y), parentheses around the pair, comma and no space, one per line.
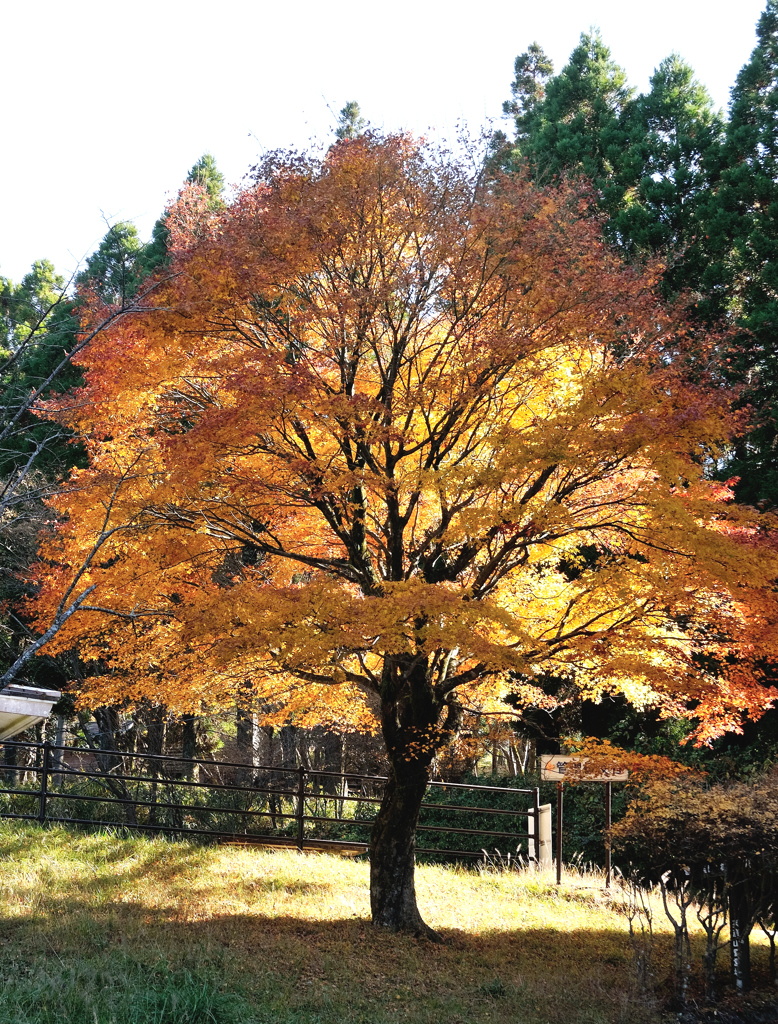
(102,929)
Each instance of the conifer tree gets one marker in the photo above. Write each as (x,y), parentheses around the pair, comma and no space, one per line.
(740,280)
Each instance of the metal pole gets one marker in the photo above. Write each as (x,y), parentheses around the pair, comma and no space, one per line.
(44,782)
(300,807)
(608,796)
(559,833)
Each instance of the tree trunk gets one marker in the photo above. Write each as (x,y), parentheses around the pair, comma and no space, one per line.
(107,758)
(413,732)
(393,856)
(739,932)
(155,744)
(189,746)
(10,761)
(248,743)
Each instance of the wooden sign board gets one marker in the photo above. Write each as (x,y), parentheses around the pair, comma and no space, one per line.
(554,766)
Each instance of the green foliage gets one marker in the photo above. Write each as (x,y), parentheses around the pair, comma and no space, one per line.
(576,128)
(26,308)
(740,281)
(34,366)
(532,70)
(154,255)
(350,122)
(732,757)
(206,174)
(110,271)
(674,138)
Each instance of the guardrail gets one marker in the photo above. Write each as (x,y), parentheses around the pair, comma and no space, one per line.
(261,803)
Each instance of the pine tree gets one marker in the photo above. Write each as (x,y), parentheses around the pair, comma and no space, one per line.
(110,270)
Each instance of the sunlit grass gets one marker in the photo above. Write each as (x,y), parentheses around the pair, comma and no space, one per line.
(113,930)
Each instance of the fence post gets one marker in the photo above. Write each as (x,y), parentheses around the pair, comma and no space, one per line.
(533,817)
(44,782)
(300,807)
(545,846)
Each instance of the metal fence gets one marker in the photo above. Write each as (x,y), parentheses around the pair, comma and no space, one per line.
(267,804)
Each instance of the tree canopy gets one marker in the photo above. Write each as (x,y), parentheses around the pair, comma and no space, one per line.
(391,444)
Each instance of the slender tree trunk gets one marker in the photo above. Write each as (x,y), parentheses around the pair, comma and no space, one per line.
(290,757)
(107,758)
(248,742)
(59,741)
(739,932)
(155,744)
(10,761)
(189,746)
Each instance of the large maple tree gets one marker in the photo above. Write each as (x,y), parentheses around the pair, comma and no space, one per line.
(398,441)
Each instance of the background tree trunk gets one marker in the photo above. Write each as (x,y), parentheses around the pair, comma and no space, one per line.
(248,740)
(155,744)
(10,761)
(189,746)
(740,929)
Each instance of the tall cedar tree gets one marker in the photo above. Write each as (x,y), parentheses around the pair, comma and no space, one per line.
(392,441)
(740,281)
(572,123)
(668,167)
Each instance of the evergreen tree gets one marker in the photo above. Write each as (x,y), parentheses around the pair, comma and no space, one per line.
(111,269)
(206,173)
(576,128)
(675,138)
(350,122)
(740,281)
(154,255)
(532,70)
(26,307)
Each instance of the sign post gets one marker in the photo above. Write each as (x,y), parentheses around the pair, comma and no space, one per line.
(552,769)
(559,811)
(608,805)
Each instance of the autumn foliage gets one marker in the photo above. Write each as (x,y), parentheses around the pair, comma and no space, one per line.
(596,757)
(393,442)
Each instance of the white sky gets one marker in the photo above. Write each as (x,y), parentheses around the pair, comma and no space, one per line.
(108,104)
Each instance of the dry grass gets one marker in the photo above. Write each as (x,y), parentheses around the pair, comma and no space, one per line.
(101,929)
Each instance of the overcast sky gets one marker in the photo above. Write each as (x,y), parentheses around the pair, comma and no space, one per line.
(107,104)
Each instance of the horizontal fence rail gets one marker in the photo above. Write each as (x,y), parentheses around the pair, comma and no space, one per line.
(271,804)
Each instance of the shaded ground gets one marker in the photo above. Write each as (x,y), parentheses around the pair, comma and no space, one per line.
(103,930)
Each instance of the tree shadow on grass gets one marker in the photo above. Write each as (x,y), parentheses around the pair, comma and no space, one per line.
(141,932)
(288,969)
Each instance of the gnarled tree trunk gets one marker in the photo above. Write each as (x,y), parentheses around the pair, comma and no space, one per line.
(393,855)
(410,722)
